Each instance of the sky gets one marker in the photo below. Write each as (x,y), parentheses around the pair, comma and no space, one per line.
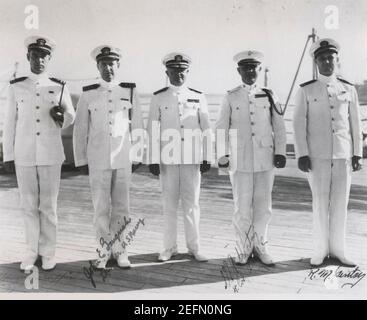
(210,31)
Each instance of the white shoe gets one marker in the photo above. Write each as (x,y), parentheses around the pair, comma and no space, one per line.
(28,263)
(100,263)
(167,254)
(317,261)
(263,255)
(123,261)
(198,256)
(241,259)
(48,263)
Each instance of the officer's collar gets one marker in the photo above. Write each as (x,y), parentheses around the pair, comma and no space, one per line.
(178,88)
(38,77)
(110,84)
(325,79)
(249,88)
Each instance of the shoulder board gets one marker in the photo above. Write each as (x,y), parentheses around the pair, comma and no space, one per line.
(307,83)
(91,87)
(127,85)
(345,81)
(17,80)
(197,91)
(57,80)
(234,89)
(161,90)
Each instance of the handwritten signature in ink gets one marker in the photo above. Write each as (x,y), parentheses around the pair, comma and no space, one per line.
(355,275)
(234,277)
(89,273)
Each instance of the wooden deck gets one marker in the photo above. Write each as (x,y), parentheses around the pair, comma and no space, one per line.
(289,238)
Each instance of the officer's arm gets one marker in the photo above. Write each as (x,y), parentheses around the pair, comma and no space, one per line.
(137,129)
(300,124)
(9,126)
(206,129)
(153,132)
(355,124)
(80,133)
(222,127)
(69,112)
(280,135)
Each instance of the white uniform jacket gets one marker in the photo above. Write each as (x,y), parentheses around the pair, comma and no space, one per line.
(327,120)
(105,116)
(31,136)
(250,131)
(179,121)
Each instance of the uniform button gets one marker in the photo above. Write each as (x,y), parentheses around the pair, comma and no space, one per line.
(329,95)
(110,111)
(180,114)
(110,134)
(110,122)
(332,119)
(251,102)
(38,133)
(182,139)
(109,90)
(238,108)
(109,101)
(333,131)
(251,113)
(252,123)
(331,107)
(37,107)
(253,134)
(38,120)
(37,94)
(182,126)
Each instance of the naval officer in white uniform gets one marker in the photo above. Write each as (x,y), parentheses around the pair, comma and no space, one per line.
(181,112)
(108,123)
(328,141)
(32,143)
(254,142)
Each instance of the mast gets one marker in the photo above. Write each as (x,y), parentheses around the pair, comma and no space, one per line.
(313,36)
(266,71)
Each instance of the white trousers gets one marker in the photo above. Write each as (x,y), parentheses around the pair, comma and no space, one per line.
(330,182)
(252,207)
(181,182)
(110,196)
(39,189)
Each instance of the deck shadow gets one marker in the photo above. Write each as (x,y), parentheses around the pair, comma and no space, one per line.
(145,273)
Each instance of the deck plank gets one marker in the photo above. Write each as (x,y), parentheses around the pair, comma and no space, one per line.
(290,242)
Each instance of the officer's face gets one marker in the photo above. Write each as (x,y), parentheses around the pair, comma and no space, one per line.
(38,60)
(177,76)
(108,68)
(326,62)
(249,72)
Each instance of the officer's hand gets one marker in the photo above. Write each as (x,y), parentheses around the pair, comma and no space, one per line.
(57,113)
(279,161)
(356,163)
(204,167)
(135,166)
(9,167)
(223,162)
(304,163)
(84,170)
(154,169)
